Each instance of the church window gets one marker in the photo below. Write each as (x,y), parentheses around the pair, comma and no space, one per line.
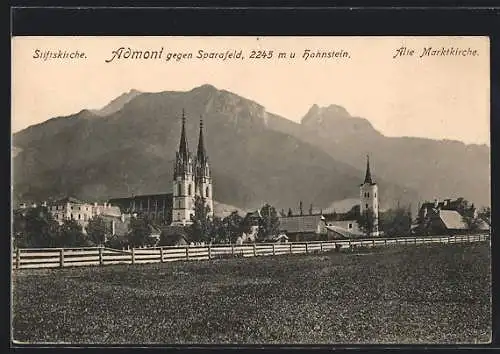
(375,195)
(367,195)
(349,226)
(179,189)
(207,193)
(366,205)
(189,190)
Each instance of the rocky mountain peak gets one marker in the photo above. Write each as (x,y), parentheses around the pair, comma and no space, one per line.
(318,115)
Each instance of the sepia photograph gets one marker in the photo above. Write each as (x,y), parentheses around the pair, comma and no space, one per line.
(175,190)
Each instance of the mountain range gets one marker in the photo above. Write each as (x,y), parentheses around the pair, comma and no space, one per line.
(128,147)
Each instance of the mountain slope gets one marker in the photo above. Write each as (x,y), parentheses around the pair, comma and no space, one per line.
(132,151)
(436,169)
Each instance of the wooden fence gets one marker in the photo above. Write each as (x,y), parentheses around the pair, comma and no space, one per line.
(72,257)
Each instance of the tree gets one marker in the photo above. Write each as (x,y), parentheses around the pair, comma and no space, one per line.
(290,213)
(396,222)
(282,213)
(300,208)
(19,230)
(366,222)
(40,228)
(139,233)
(71,235)
(485,215)
(472,223)
(217,231)
(116,242)
(310,209)
(199,230)
(268,223)
(97,230)
(246,224)
(233,226)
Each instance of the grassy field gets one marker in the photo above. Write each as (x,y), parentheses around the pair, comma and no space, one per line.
(424,294)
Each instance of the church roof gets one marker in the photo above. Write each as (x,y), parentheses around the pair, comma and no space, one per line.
(201,155)
(368,176)
(183,145)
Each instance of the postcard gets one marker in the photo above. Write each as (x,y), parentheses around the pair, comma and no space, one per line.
(251,190)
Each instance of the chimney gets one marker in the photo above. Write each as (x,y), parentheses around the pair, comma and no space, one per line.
(44,204)
(22,206)
(95,204)
(122,217)
(113,228)
(436,203)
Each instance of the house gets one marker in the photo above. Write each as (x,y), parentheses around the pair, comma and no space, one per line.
(446,217)
(303,227)
(81,211)
(172,235)
(338,229)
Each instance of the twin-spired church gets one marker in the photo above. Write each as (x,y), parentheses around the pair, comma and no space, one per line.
(191,178)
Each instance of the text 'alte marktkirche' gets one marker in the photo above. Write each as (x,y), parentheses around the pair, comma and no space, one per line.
(436,52)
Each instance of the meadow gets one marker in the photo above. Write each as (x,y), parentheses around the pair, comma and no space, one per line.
(401,294)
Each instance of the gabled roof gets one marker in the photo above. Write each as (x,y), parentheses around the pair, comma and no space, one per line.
(343,231)
(304,223)
(112,211)
(452,220)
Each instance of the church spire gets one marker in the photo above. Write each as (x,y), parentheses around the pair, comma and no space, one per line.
(183,146)
(201,155)
(368,176)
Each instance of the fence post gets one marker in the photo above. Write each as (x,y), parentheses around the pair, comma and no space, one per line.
(18,258)
(291,249)
(232,250)
(373,243)
(274,252)
(350,247)
(161,254)
(133,255)
(187,253)
(61,257)
(209,252)
(101,260)
(321,246)
(254,250)
(307,251)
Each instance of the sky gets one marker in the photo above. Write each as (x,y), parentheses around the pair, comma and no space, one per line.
(438,97)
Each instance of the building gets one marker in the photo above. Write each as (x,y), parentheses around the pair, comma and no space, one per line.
(368,192)
(303,227)
(81,211)
(155,207)
(447,217)
(191,178)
